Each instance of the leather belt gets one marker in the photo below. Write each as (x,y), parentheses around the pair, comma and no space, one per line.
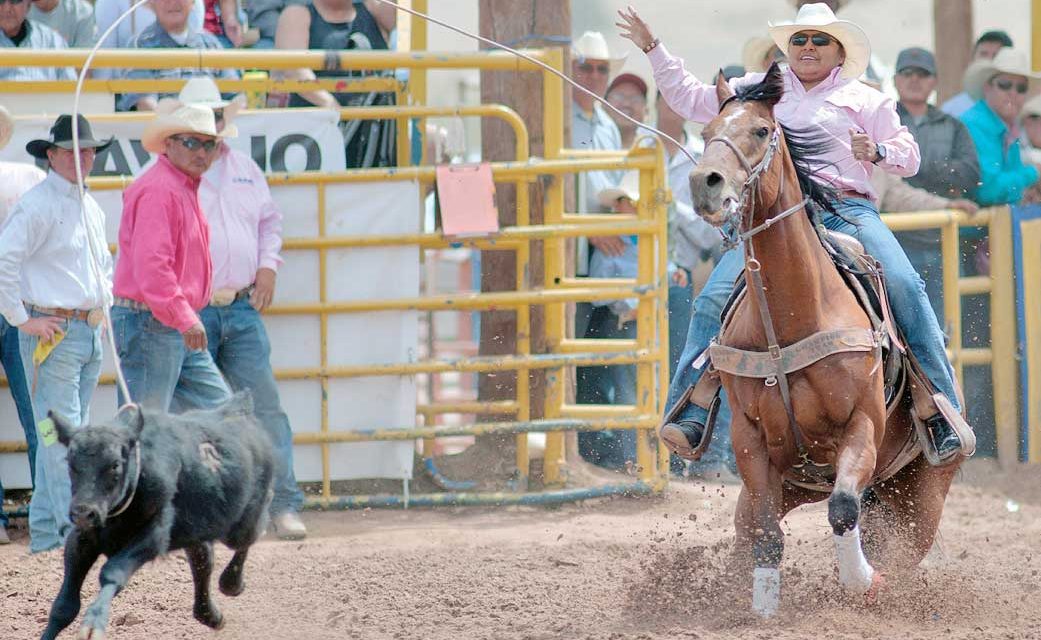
(130,304)
(225,297)
(92,317)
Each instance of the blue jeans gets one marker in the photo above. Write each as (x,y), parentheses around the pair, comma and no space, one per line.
(607,385)
(11,358)
(159,369)
(238,343)
(911,307)
(64,384)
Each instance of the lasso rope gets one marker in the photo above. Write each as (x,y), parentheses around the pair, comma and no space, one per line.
(543,65)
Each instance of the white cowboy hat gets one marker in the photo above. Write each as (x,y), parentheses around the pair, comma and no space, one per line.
(189,118)
(754,51)
(842,3)
(1032,107)
(202,90)
(1007,60)
(6,127)
(629,187)
(593,46)
(819,17)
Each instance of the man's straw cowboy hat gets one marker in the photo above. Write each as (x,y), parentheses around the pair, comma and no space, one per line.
(174,119)
(1006,61)
(6,127)
(592,46)
(819,17)
(754,51)
(202,90)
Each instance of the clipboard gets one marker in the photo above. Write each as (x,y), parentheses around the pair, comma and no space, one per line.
(465,200)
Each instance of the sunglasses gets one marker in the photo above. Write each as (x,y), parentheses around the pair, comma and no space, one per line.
(818,39)
(587,67)
(1006,85)
(914,72)
(194,144)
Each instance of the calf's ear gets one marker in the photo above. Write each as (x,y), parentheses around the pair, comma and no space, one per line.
(62,427)
(133,419)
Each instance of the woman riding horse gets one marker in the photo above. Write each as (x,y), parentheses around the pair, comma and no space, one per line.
(822,95)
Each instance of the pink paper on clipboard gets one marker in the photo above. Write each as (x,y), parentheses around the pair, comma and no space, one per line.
(466,196)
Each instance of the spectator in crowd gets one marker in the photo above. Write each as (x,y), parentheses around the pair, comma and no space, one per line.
(171,30)
(245,240)
(55,281)
(73,19)
(628,93)
(1000,87)
(16,178)
(263,16)
(221,19)
(949,170)
(338,25)
(106,12)
(1030,123)
(759,53)
(612,319)
(591,128)
(16,30)
(164,273)
(986,47)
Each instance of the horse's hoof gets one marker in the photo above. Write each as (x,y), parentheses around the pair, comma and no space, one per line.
(878,582)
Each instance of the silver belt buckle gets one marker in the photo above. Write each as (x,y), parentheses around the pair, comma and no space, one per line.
(223,298)
(95,316)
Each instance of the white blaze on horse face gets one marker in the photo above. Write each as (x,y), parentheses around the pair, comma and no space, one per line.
(855,574)
(766,591)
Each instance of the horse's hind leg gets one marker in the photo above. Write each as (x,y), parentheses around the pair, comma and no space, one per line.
(916,497)
(200,559)
(854,465)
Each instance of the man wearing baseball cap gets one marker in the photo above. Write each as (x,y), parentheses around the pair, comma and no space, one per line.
(628,93)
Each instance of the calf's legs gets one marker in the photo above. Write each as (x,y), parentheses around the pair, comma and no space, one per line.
(80,556)
(200,558)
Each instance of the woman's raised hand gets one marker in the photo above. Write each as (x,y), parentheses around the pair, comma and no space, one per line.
(634,28)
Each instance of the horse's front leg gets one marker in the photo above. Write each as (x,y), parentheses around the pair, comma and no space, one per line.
(758,516)
(854,467)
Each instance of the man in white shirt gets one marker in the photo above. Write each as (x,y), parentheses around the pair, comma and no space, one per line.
(55,279)
(15,179)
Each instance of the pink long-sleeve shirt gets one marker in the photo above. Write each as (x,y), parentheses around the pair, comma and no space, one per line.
(833,107)
(245,223)
(164,246)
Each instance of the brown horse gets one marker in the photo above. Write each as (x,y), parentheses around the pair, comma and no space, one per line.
(838,416)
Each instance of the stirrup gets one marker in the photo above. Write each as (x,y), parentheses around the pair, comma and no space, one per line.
(957,424)
(709,426)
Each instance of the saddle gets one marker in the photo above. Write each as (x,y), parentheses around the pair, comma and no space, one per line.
(900,371)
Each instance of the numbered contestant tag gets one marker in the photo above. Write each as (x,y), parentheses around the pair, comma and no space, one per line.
(48,432)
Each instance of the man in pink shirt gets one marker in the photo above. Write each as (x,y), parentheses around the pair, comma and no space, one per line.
(245,240)
(163,272)
(823,98)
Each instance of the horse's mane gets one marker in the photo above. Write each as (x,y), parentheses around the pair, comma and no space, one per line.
(803,144)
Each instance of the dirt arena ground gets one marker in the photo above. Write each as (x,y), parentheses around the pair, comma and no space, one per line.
(644,569)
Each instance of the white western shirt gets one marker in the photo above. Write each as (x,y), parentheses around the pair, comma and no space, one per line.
(44,256)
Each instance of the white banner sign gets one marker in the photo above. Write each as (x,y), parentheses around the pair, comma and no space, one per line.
(279,140)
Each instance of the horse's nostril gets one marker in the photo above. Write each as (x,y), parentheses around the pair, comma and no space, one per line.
(714,179)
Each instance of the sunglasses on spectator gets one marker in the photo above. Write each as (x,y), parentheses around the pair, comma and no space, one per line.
(818,39)
(194,144)
(1006,85)
(587,67)
(914,72)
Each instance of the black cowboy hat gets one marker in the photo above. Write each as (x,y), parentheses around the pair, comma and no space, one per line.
(61,136)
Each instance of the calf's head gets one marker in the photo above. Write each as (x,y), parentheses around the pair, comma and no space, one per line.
(104,464)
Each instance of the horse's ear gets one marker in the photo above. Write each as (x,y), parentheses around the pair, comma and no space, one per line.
(774,84)
(723,90)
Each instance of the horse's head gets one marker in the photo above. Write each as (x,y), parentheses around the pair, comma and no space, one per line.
(104,461)
(739,145)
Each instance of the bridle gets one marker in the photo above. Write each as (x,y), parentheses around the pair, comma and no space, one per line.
(739,218)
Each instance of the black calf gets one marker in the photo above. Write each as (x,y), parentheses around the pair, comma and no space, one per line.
(150,483)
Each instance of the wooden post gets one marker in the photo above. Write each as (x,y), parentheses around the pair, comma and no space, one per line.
(953,34)
(540,23)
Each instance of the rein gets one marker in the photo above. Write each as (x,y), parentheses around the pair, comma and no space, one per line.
(745,207)
(130,481)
